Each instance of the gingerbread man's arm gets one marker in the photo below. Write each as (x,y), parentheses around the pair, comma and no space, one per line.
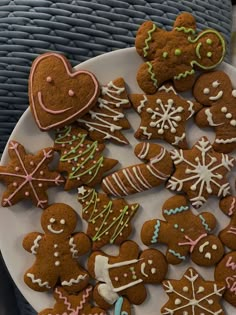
(136,295)
(185,22)
(46,311)
(80,244)
(154,231)
(184,77)
(128,250)
(31,242)
(208,117)
(208,221)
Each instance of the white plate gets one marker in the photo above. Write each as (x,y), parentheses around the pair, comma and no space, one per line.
(17,221)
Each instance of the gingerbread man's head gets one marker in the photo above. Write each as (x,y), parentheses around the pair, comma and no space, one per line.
(59,219)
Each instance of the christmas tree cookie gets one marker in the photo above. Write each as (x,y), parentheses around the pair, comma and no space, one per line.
(108,220)
(81,158)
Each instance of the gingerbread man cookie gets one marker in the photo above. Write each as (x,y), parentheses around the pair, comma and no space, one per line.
(164,115)
(71,304)
(214,90)
(57,94)
(200,172)
(109,221)
(174,55)
(28,176)
(141,177)
(56,251)
(184,233)
(125,274)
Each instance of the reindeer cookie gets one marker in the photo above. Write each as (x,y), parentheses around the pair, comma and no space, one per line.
(215,91)
(140,177)
(184,233)
(125,274)
(174,55)
(56,251)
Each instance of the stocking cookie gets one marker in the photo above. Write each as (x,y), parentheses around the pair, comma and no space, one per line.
(184,233)
(71,304)
(81,158)
(106,120)
(200,172)
(193,295)
(140,177)
(214,90)
(57,94)
(27,176)
(228,234)
(174,55)
(125,274)
(226,271)
(108,220)
(164,115)
(56,251)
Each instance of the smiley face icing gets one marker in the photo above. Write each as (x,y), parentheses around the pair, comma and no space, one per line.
(215,91)
(56,251)
(173,55)
(57,94)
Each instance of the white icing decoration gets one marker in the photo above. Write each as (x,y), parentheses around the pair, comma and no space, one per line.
(178,139)
(74,281)
(153,271)
(234,93)
(38,281)
(233,122)
(143,265)
(62,221)
(167,89)
(215,84)
(145,133)
(144,151)
(178,301)
(230,140)
(208,255)
(73,249)
(81,190)
(185,289)
(210,118)
(57,263)
(216,97)
(52,220)
(200,289)
(36,245)
(190,109)
(50,228)
(206,91)
(142,104)
(201,248)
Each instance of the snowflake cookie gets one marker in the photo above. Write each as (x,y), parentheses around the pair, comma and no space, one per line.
(192,295)
(215,91)
(184,233)
(73,304)
(109,221)
(200,172)
(164,115)
(56,251)
(106,120)
(27,176)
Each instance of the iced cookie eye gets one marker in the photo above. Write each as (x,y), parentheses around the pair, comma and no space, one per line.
(52,220)
(206,91)
(215,84)
(71,93)
(49,79)
(62,221)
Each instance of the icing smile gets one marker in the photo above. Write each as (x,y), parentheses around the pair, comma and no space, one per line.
(54,231)
(217,97)
(50,111)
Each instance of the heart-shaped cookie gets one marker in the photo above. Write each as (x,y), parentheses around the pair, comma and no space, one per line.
(58,95)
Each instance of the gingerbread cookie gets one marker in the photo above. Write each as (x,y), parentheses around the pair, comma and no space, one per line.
(108,220)
(215,90)
(226,271)
(193,295)
(56,251)
(200,172)
(106,120)
(175,54)
(125,274)
(140,177)
(81,158)
(184,233)
(71,304)
(164,115)
(27,176)
(228,234)
(228,205)
(57,94)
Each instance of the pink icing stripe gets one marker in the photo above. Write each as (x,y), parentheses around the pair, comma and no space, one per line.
(143,178)
(50,111)
(134,181)
(232,207)
(191,242)
(84,300)
(110,187)
(73,74)
(142,150)
(66,302)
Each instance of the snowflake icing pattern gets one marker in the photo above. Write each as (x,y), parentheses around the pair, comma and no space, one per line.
(205,171)
(27,176)
(192,295)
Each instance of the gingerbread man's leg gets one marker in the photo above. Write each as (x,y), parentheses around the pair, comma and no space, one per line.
(184,78)
(148,78)
(47,311)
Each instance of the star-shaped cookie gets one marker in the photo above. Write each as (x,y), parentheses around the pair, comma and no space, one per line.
(27,176)
(193,295)
(200,172)
(164,115)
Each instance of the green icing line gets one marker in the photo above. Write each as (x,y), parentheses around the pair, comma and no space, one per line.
(152,74)
(206,226)
(184,74)
(185,30)
(165,54)
(199,45)
(178,52)
(147,40)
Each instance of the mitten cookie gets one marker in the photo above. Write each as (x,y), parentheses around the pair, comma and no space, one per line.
(184,233)
(225,271)
(106,120)
(56,251)
(125,274)
(200,172)
(81,158)
(174,55)
(228,205)
(71,304)
(140,177)
(57,94)
(193,295)
(214,89)
(27,176)
(109,221)
(164,115)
